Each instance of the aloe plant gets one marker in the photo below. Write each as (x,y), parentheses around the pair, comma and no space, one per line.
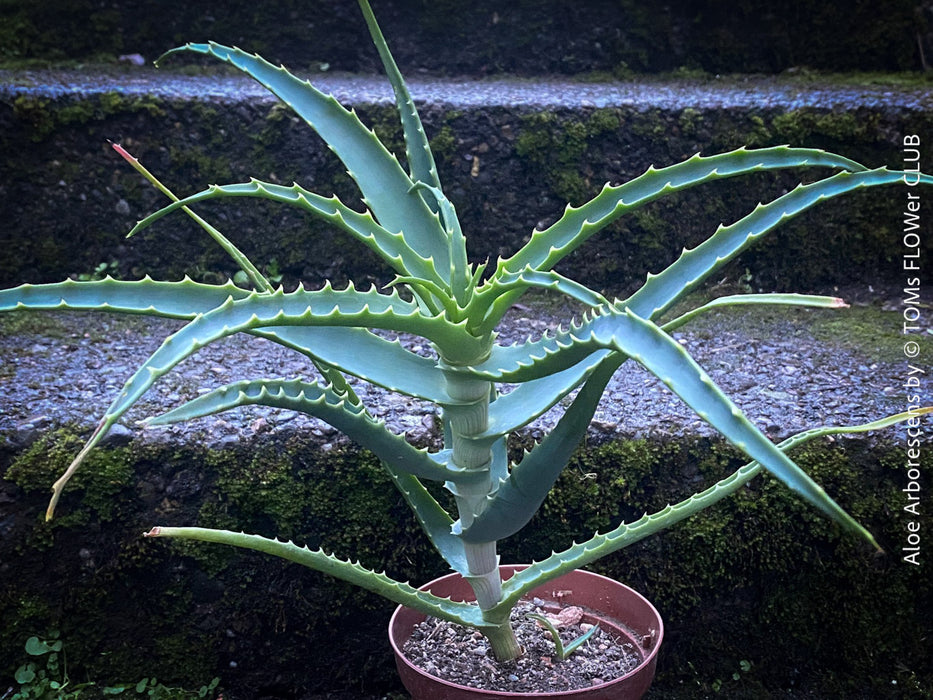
(457,305)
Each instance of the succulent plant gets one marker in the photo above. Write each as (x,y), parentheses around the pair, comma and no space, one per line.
(457,305)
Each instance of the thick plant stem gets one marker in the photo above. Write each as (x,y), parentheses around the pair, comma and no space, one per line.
(468,413)
(469,416)
(483,563)
(488,590)
(503,642)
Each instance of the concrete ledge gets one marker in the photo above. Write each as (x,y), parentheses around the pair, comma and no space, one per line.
(788,369)
(511,154)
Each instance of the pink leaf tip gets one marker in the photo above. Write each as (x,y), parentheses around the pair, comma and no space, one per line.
(123,152)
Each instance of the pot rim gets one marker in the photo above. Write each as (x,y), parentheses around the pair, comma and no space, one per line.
(649,657)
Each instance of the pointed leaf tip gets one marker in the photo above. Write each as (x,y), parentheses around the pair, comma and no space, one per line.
(123,152)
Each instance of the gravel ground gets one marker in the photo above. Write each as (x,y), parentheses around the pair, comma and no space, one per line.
(732,92)
(68,367)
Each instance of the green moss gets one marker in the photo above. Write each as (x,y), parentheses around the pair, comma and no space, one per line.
(766,541)
(444,144)
(25,613)
(902,79)
(262,488)
(751,131)
(338,500)
(689,121)
(557,147)
(601,487)
(98,493)
(868,331)
(33,323)
(649,125)
(199,164)
(385,122)
(115,579)
(267,141)
(99,485)
(45,116)
(815,126)
(759,560)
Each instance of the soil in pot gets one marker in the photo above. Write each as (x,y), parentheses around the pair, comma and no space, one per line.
(611,603)
(462,656)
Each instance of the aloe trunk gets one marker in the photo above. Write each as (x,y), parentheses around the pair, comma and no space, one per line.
(468,417)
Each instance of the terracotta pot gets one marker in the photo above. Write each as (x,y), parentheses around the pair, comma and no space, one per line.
(616,607)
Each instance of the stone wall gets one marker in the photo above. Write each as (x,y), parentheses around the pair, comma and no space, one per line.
(760,579)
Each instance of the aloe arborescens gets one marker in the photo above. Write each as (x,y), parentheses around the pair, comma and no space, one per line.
(438,294)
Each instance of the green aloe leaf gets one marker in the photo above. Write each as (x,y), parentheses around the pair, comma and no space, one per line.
(435,521)
(518,498)
(420,158)
(353,572)
(600,545)
(368,356)
(799,300)
(546,248)
(243,262)
(386,188)
(382,362)
(490,303)
(552,353)
(391,247)
(181,300)
(324,307)
(259,282)
(666,359)
(331,406)
(531,360)
(460,272)
(563,651)
(684,275)
(529,400)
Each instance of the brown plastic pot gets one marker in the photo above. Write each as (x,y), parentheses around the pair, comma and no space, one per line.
(616,607)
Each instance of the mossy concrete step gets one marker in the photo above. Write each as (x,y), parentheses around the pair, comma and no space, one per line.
(511,154)
(757,579)
(789,369)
